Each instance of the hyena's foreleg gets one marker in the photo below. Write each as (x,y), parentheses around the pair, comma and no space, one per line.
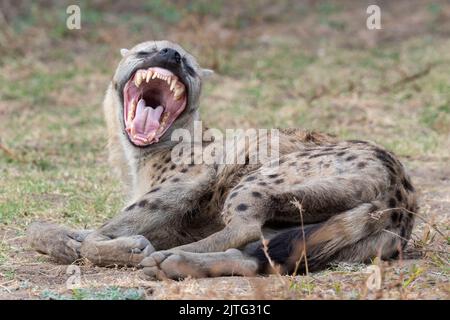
(61,243)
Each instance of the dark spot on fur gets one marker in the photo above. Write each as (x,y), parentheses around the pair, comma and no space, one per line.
(242,207)
(398,195)
(340,154)
(153,190)
(327,165)
(392,203)
(390,168)
(172,167)
(251,178)
(303,154)
(278,181)
(176,179)
(238,187)
(142,203)
(159,166)
(262,183)
(321,154)
(362,165)
(292,164)
(153,206)
(184,170)
(407,184)
(256,194)
(403,232)
(385,157)
(234,194)
(163,180)
(273,175)
(395,216)
(351,158)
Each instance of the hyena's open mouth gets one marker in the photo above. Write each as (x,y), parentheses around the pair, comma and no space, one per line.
(153,99)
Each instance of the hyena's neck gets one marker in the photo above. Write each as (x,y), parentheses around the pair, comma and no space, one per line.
(145,163)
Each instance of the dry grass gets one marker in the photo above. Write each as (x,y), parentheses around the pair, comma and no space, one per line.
(279,64)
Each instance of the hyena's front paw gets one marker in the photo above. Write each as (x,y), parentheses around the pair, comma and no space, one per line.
(128,251)
(59,242)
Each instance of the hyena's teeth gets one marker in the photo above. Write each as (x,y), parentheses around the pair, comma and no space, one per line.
(173,83)
(178,92)
(154,76)
(168,80)
(138,79)
(162,124)
(132,111)
(151,136)
(149,75)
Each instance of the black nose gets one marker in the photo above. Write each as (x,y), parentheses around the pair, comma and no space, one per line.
(171,55)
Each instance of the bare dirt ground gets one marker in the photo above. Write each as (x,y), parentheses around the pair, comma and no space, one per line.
(312,65)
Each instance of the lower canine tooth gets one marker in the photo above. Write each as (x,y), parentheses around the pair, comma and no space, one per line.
(132,110)
(178,93)
(138,79)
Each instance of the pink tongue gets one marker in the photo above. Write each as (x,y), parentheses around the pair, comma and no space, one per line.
(147,118)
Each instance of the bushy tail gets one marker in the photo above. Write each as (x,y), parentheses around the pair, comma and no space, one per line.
(357,235)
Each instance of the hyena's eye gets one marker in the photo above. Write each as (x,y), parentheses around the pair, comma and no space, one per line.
(188,68)
(141,54)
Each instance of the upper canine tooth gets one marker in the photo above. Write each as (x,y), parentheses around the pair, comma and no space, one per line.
(149,75)
(172,84)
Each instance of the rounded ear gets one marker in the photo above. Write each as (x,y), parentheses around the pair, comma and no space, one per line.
(206,73)
(123,52)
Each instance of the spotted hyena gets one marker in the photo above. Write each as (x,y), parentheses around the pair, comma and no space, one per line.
(356,201)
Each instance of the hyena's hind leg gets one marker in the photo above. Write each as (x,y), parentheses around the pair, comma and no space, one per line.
(59,242)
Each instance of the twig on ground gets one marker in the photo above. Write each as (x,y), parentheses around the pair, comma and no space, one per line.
(272,264)
(408,78)
(299,206)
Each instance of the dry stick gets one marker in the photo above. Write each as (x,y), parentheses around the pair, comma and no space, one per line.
(416,214)
(409,78)
(7,150)
(272,264)
(299,206)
